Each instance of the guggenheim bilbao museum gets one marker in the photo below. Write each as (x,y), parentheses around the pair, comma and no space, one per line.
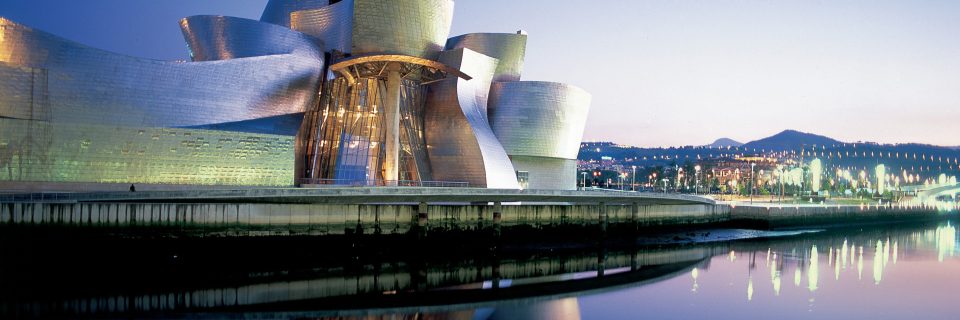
(351,92)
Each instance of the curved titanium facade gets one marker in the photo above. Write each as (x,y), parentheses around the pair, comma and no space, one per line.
(91,116)
(460,142)
(84,84)
(278,11)
(332,24)
(211,38)
(416,28)
(545,120)
(508,48)
(542,119)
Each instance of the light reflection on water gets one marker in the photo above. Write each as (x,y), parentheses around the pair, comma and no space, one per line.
(913,272)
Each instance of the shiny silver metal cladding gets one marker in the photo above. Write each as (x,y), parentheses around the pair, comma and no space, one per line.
(416,28)
(93,116)
(211,38)
(88,85)
(333,24)
(540,120)
(508,48)
(278,11)
(460,142)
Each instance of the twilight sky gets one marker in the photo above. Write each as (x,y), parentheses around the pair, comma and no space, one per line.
(662,72)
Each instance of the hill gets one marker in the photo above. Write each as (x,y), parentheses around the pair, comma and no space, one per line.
(790,140)
(724,142)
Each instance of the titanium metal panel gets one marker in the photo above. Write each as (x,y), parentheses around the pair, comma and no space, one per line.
(460,143)
(332,24)
(34,151)
(278,11)
(81,115)
(91,86)
(508,48)
(540,119)
(548,173)
(416,28)
(212,38)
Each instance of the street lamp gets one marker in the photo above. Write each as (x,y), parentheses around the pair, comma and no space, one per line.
(752,165)
(583,185)
(780,174)
(679,170)
(696,189)
(633,180)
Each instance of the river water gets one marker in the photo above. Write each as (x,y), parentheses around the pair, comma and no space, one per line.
(878,272)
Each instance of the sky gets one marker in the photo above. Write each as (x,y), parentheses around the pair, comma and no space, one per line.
(662,73)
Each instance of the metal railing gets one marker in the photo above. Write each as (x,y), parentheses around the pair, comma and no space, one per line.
(307,183)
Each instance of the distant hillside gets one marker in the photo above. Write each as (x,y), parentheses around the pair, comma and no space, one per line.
(897,157)
(790,140)
(723,143)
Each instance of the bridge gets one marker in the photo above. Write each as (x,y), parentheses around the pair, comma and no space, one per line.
(932,192)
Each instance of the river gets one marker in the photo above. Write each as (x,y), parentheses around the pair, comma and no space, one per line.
(875,272)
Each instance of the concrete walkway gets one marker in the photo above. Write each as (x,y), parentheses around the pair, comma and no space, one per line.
(360,195)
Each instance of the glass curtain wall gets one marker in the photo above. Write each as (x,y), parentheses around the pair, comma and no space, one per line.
(346,145)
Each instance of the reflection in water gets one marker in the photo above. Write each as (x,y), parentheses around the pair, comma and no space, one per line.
(695,273)
(943,240)
(895,250)
(886,252)
(946,241)
(878,263)
(836,266)
(843,253)
(775,273)
(560,309)
(514,287)
(813,274)
(906,263)
(796,277)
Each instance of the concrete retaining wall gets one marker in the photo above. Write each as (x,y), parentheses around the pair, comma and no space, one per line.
(333,219)
(792,216)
